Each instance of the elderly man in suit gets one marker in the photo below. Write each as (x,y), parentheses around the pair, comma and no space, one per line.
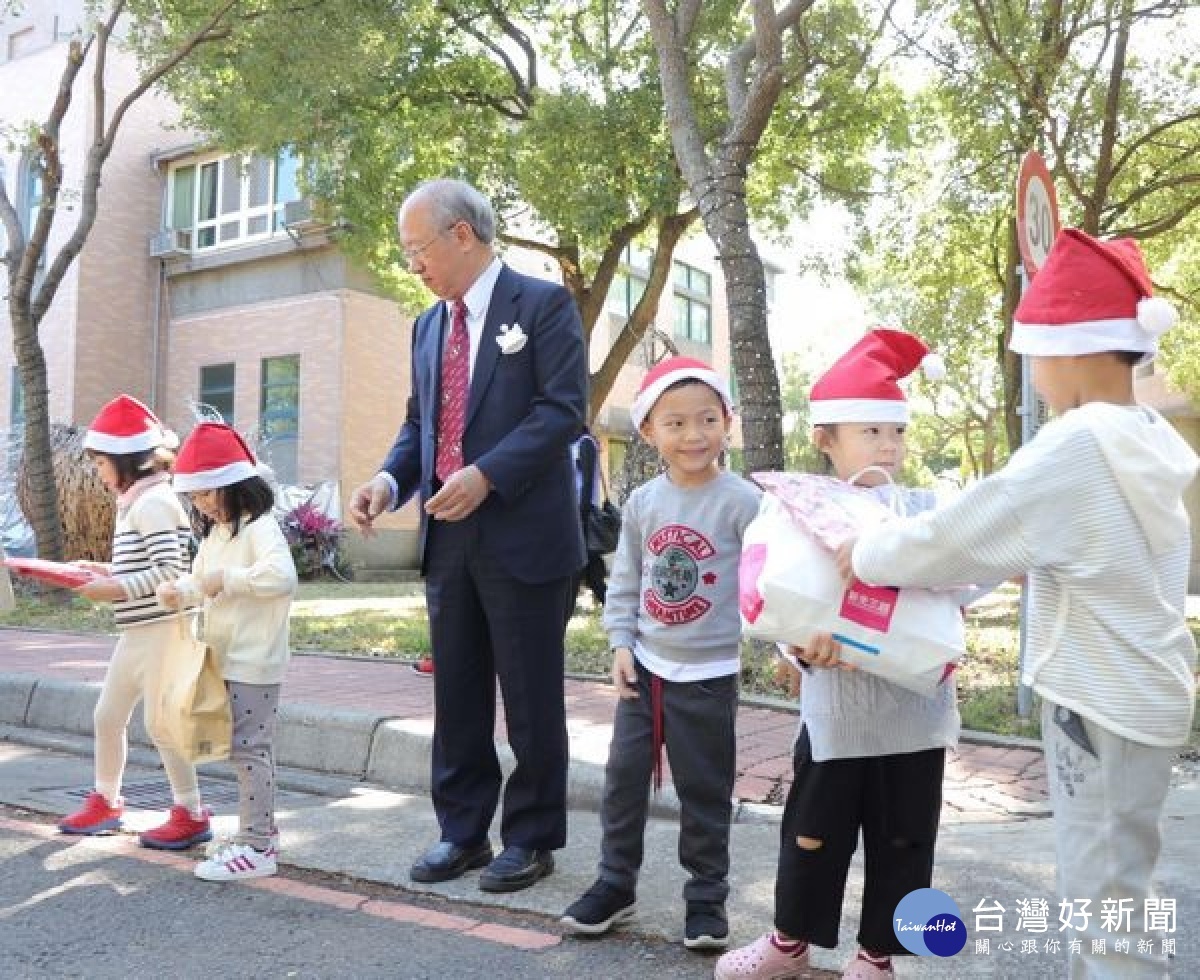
(499,384)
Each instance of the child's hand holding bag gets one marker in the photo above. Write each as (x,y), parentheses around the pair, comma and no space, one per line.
(790,587)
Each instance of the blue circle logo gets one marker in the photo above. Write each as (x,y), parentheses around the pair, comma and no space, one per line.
(927,922)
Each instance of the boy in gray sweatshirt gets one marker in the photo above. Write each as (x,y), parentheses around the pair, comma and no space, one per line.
(673,625)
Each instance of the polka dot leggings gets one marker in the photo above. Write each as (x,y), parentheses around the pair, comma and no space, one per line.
(255,707)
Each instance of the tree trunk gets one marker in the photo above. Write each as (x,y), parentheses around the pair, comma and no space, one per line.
(727,222)
(38,456)
(754,79)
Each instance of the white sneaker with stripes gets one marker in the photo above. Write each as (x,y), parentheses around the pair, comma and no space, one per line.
(237,862)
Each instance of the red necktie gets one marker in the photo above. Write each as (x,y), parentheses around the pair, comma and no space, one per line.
(456,383)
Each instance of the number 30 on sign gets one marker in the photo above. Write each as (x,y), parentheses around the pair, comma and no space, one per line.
(1037,212)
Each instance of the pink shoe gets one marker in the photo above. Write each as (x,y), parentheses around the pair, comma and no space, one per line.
(860,969)
(761,960)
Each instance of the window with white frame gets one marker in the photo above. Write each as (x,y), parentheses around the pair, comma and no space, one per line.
(21,42)
(771,276)
(217,387)
(629,282)
(230,200)
(279,415)
(30,199)
(693,303)
(16,403)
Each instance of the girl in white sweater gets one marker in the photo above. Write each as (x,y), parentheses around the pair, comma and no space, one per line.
(245,577)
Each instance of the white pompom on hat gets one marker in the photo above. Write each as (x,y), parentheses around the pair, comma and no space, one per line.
(212,456)
(1091,297)
(124,426)
(670,372)
(861,386)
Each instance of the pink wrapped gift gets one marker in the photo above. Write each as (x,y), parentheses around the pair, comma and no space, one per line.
(789,587)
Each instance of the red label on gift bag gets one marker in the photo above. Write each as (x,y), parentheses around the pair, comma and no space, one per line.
(871,606)
(754,557)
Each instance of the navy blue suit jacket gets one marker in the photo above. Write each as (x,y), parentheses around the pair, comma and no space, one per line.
(524,410)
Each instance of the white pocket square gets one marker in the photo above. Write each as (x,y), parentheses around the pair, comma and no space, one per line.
(511,338)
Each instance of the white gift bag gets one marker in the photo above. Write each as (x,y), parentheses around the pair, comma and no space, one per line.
(789,588)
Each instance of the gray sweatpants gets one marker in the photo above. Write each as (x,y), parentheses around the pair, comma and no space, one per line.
(701,744)
(1107,794)
(255,707)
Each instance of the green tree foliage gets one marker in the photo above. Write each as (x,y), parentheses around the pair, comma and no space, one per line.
(1106,90)
(808,74)
(799,454)
(34,270)
(1176,265)
(932,275)
(552,111)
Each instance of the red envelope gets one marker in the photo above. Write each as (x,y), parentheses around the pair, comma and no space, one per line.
(52,572)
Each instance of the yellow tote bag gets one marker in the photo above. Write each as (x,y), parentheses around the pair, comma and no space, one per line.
(194,716)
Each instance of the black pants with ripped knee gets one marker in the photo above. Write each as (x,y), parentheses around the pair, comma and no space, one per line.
(895,800)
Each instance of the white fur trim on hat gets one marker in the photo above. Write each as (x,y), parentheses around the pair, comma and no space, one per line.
(222,476)
(153,438)
(831,411)
(651,393)
(1086,337)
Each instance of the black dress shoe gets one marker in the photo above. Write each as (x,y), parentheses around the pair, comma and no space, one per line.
(516,868)
(446,861)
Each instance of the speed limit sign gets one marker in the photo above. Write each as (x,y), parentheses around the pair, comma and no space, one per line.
(1037,226)
(1037,212)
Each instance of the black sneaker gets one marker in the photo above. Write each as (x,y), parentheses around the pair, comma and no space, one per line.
(600,908)
(705,926)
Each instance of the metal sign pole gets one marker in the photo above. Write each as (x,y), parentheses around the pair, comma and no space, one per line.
(1031,413)
(1037,227)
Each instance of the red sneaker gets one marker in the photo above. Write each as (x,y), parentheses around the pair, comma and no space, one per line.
(180,832)
(424,665)
(96,816)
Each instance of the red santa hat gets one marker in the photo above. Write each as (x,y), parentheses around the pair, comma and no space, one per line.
(213,456)
(862,384)
(1089,297)
(669,372)
(125,426)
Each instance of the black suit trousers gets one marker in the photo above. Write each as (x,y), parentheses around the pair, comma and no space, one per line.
(487,626)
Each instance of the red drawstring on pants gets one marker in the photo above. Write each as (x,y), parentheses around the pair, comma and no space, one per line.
(656,714)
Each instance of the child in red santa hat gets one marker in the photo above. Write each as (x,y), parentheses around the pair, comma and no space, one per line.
(245,578)
(870,755)
(671,614)
(1092,511)
(133,454)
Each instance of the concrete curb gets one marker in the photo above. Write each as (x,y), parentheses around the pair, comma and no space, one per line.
(390,752)
(393,753)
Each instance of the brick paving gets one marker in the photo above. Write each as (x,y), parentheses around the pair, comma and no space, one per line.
(983,782)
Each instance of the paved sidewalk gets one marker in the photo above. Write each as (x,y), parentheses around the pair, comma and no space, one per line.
(983,781)
(354,756)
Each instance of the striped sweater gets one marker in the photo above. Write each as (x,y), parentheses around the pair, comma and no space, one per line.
(852,714)
(150,546)
(1092,510)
